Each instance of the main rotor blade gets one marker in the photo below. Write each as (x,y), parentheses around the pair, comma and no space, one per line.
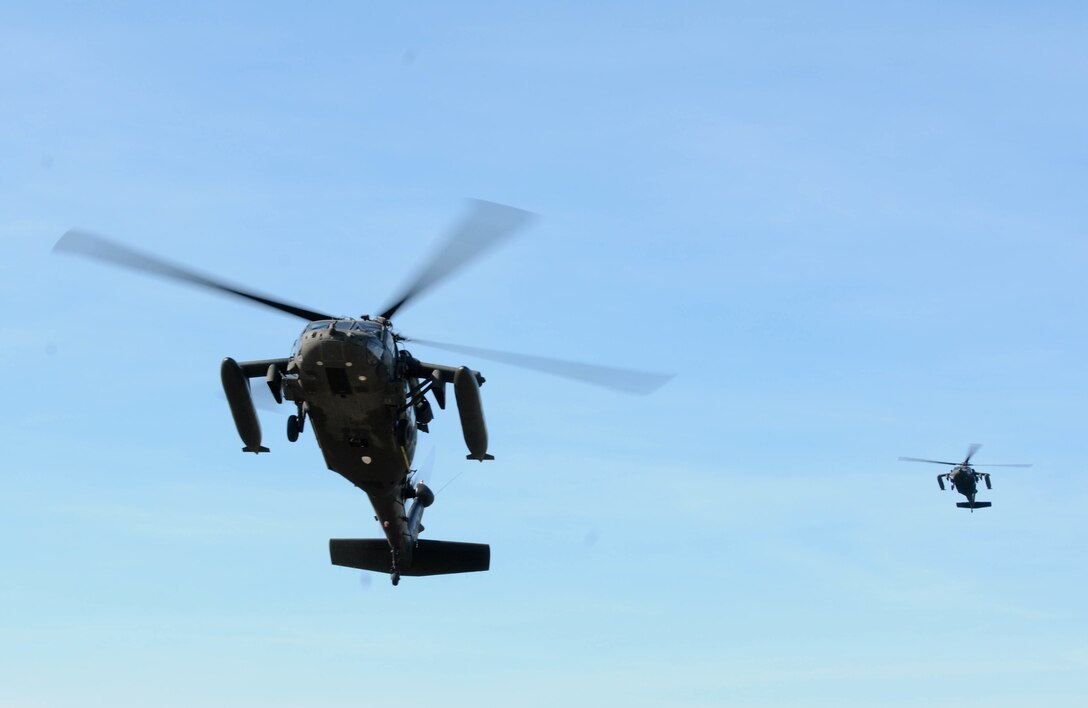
(84,243)
(486,225)
(992,465)
(936,462)
(626,380)
(971,450)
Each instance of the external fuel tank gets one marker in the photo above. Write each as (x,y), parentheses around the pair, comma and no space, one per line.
(236,388)
(467,390)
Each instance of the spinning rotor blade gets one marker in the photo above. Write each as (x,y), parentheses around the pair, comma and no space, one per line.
(626,380)
(486,225)
(84,243)
(936,462)
(971,450)
(1001,465)
(425,470)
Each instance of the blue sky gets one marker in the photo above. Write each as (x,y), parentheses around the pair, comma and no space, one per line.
(853,232)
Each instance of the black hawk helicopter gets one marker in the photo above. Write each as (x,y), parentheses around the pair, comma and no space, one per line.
(365,396)
(963,478)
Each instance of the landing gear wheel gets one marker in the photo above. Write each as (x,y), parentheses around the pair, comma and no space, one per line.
(292,428)
(395,577)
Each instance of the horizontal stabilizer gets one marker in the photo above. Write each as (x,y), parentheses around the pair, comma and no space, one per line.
(428,557)
(362,553)
(973,505)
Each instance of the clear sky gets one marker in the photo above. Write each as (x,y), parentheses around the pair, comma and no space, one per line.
(853,232)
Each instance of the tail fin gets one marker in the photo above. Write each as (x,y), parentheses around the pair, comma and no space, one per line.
(428,557)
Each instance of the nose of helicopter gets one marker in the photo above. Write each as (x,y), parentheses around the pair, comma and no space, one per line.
(352,352)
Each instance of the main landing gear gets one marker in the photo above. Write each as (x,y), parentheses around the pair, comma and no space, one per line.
(295,424)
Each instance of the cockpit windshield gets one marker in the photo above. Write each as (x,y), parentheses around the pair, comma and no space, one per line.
(314,326)
(343,325)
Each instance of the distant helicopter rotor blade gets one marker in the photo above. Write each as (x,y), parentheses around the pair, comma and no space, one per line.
(485,226)
(936,462)
(84,243)
(993,465)
(971,450)
(625,380)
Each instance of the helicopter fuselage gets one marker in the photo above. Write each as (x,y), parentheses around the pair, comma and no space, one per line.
(345,377)
(963,481)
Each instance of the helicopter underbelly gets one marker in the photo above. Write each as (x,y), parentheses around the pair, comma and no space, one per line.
(353,407)
(357,439)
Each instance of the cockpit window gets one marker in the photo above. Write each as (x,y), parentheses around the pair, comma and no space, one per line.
(343,326)
(314,326)
(375,346)
(370,327)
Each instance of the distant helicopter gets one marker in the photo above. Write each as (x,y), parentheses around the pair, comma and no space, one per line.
(365,395)
(963,478)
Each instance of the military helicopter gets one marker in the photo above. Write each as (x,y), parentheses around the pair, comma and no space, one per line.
(963,478)
(365,395)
